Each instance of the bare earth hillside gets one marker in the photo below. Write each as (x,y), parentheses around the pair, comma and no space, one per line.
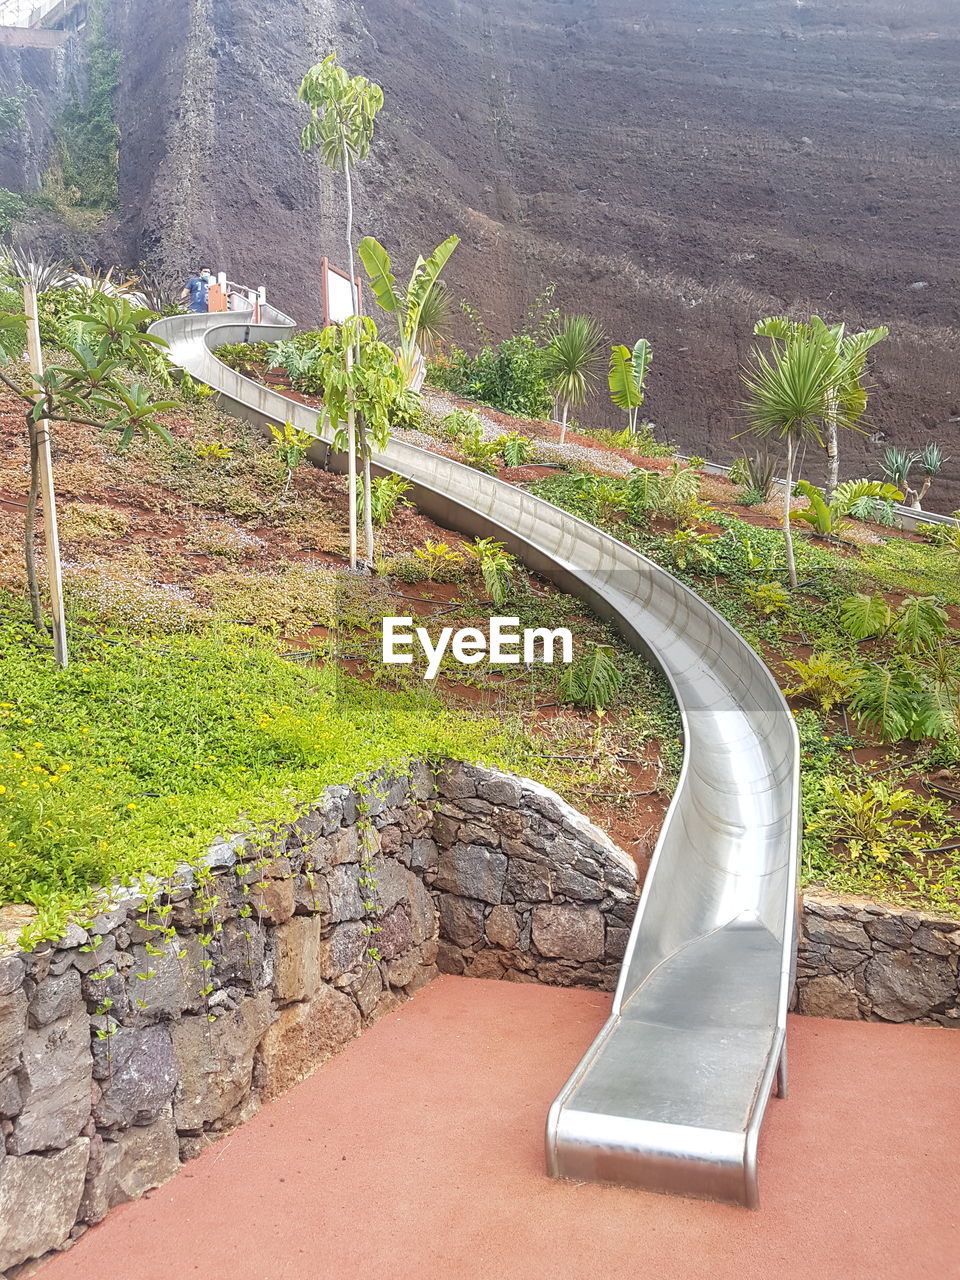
(677,167)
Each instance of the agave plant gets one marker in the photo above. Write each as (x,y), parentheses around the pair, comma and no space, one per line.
(572,362)
(421,309)
(627,376)
(896,465)
(37,267)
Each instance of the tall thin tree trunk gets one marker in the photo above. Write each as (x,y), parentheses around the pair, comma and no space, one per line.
(563,424)
(833,451)
(351,413)
(787,495)
(29,529)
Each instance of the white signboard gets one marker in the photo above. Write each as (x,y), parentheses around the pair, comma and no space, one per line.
(339,299)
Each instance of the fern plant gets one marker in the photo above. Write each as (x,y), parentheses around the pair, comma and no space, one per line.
(825,679)
(594,681)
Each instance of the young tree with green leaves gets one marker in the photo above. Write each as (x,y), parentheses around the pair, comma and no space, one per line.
(91,387)
(790,398)
(572,362)
(845,401)
(362,382)
(627,378)
(411,306)
(342,113)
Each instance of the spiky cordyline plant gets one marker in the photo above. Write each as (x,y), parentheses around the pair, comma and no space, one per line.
(572,362)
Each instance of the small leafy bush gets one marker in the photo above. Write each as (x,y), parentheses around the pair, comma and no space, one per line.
(769,598)
(877,821)
(509,377)
(386,498)
(243,356)
(480,453)
(692,550)
(515,449)
(594,681)
(497,567)
(441,563)
(825,679)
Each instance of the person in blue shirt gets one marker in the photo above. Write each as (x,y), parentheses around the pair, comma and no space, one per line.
(196,290)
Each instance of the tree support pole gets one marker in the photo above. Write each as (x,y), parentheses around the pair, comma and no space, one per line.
(48,497)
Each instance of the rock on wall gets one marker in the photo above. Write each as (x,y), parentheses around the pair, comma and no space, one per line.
(858,959)
(131,1044)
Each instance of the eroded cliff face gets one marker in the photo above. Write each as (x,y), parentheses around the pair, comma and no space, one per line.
(677,167)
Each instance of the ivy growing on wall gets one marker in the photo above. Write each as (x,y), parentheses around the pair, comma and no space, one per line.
(86,160)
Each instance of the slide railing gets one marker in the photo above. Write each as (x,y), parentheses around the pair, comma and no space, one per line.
(672,1093)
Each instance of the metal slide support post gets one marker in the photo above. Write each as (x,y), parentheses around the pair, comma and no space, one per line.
(48,497)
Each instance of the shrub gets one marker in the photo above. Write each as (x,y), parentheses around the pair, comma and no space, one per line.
(691,550)
(12,209)
(386,497)
(826,680)
(461,424)
(480,453)
(441,563)
(894,702)
(515,449)
(769,597)
(244,356)
(497,567)
(750,497)
(594,681)
(876,820)
(508,377)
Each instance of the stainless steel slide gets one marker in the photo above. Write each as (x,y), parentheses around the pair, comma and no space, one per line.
(671,1094)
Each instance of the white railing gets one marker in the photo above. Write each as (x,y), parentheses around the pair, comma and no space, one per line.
(25,13)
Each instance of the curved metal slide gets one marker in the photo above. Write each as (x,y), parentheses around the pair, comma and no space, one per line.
(672,1093)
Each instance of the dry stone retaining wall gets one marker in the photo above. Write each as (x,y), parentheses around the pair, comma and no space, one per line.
(126,1049)
(858,959)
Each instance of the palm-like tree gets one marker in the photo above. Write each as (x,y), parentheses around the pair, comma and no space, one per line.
(844,401)
(573,360)
(789,399)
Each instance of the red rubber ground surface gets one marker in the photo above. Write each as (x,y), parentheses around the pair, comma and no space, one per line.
(418,1152)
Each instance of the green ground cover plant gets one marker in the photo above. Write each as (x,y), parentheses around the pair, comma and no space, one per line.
(139,754)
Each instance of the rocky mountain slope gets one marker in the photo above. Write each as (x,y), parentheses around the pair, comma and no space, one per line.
(677,167)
